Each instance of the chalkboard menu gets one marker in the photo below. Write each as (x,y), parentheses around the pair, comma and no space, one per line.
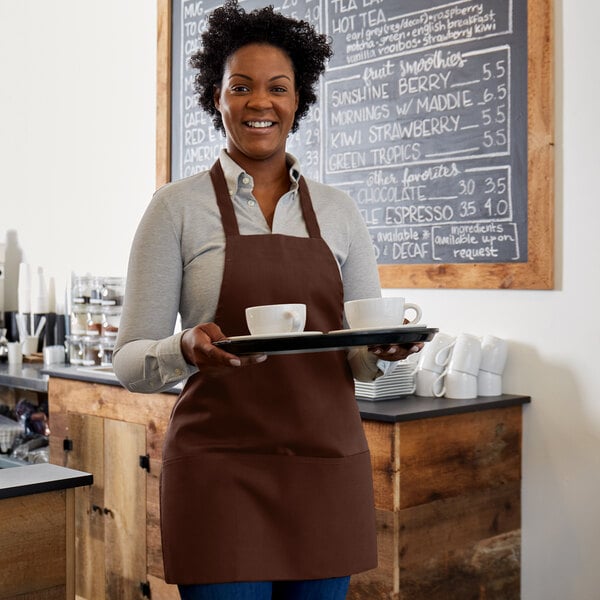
(422,119)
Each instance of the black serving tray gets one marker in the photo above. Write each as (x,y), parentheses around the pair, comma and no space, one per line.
(323,342)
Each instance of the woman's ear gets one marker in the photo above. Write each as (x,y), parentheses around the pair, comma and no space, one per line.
(216,96)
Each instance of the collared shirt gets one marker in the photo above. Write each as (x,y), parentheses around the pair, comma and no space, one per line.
(177,259)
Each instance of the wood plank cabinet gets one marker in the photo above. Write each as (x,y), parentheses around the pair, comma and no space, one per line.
(117,436)
(37,531)
(447,493)
(448,503)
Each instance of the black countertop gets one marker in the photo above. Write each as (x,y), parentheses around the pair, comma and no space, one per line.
(36,479)
(412,408)
(35,377)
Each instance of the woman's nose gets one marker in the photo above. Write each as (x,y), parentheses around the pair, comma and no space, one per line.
(259,100)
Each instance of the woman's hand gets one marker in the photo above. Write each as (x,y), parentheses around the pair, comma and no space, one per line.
(393,352)
(198,349)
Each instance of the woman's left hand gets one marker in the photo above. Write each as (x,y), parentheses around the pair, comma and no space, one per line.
(393,352)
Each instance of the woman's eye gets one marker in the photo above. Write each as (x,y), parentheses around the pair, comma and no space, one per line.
(239,88)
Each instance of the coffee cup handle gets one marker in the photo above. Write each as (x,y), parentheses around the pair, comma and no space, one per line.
(443,362)
(443,389)
(417,310)
(296,319)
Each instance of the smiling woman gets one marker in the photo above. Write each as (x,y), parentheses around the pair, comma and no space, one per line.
(257,100)
(266,487)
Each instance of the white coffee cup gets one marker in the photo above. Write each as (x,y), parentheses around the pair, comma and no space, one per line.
(436,353)
(457,385)
(276,318)
(15,353)
(494,352)
(379,312)
(427,383)
(489,384)
(466,354)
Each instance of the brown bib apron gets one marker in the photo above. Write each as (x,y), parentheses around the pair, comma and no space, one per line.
(266,471)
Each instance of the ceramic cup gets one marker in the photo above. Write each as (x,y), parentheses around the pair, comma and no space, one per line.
(436,353)
(379,312)
(457,384)
(494,352)
(276,318)
(466,354)
(30,345)
(489,384)
(15,353)
(428,383)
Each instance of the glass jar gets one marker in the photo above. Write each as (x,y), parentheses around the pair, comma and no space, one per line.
(107,346)
(91,350)
(79,318)
(93,324)
(111,317)
(96,290)
(75,349)
(113,290)
(80,289)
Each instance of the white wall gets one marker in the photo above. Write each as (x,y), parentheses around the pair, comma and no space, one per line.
(77,119)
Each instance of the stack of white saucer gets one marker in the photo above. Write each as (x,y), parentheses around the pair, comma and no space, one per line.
(398,383)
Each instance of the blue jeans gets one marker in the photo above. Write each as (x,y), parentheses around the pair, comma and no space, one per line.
(312,589)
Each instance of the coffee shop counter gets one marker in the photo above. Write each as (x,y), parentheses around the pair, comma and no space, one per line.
(26,376)
(34,377)
(446,474)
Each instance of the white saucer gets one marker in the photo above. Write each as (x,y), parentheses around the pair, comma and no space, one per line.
(378,329)
(262,336)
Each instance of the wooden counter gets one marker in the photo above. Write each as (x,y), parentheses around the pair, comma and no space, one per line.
(37,534)
(447,477)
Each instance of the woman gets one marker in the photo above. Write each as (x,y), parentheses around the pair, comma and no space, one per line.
(266,485)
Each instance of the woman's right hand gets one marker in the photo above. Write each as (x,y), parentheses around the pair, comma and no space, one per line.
(198,349)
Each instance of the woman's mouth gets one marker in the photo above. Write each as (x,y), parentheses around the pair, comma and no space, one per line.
(258,124)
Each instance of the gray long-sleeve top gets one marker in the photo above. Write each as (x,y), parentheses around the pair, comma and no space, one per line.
(177,258)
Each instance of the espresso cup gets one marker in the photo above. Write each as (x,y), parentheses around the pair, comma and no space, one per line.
(427,383)
(466,354)
(276,318)
(489,384)
(436,353)
(457,385)
(494,352)
(373,313)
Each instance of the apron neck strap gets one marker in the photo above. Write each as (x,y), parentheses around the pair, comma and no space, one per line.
(308,212)
(230,224)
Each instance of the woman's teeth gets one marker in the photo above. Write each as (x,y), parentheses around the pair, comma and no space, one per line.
(259,124)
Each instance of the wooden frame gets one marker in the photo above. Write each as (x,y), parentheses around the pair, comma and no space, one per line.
(538,271)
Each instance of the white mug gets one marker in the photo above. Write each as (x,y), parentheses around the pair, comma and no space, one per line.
(276,318)
(458,385)
(489,384)
(427,383)
(466,354)
(494,352)
(436,353)
(379,312)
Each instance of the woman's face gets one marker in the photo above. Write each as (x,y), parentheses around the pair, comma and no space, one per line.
(257,99)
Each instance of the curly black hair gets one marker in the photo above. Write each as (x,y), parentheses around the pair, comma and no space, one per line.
(231,27)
